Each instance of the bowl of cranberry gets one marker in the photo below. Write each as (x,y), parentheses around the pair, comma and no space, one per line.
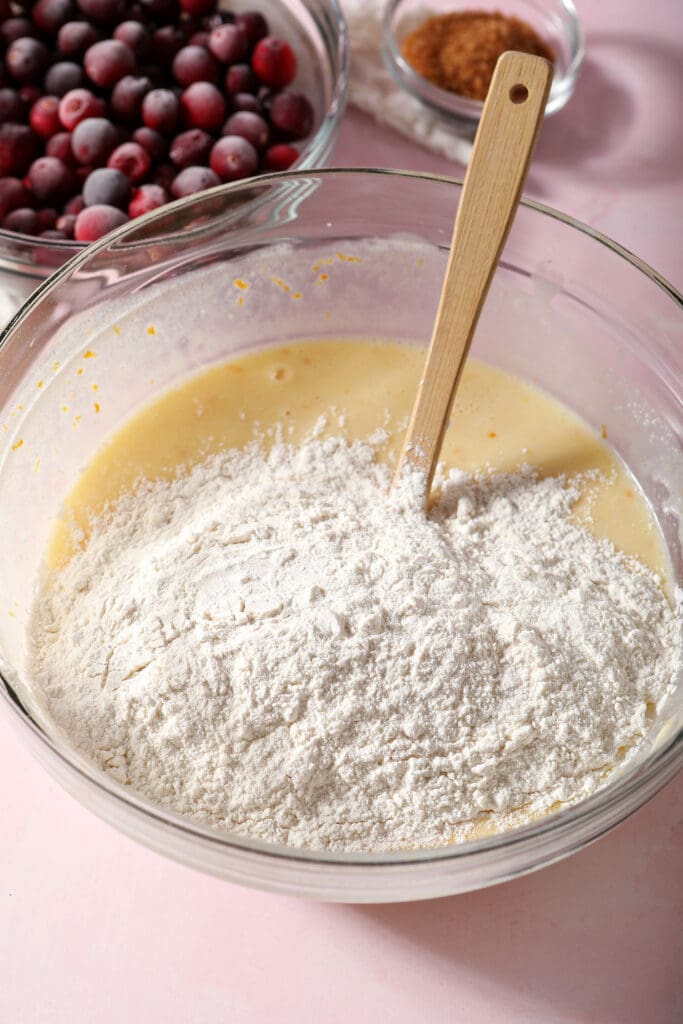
(112,108)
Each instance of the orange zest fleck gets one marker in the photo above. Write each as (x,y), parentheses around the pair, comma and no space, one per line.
(96,406)
(17,444)
(89,354)
(492,433)
(239,283)
(40,383)
(95,387)
(117,330)
(79,371)
(603,432)
(151,329)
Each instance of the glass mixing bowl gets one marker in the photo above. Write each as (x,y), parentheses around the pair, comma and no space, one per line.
(568,310)
(317,30)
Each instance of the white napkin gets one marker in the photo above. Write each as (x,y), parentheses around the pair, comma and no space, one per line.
(373,90)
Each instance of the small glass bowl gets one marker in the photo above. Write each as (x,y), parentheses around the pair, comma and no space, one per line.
(317,30)
(555,21)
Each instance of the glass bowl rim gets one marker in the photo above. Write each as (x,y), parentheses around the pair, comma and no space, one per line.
(461,108)
(623,796)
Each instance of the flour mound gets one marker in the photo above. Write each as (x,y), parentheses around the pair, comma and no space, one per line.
(271,645)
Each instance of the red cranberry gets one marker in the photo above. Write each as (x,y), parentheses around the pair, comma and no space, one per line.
(13,194)
(291,114)
(193,179)
(165,44)
(280,157)
(152,141)
(274,62)
(194,64)
(74,205)
(249,126)
(23,220)
(233,157)
(47,218)
(161,10)
(76,37)
(203,106)
(229,44)
(62,77)
(191,147)
(50,15)
(127,96)
(78,104)
(51,180)
(160,109)
(26,59)
(135,36)
(164,176)
(19,145)
(132,160)
(44,116)
(30,93)
(106,62)
(107,187)
(147,198)
(199,39)
(16,28)
(66,224)
(12,107)
(198,8)
(254,24)
(102,11)
(240,78)
(95,221)
(93,140)
(59,145)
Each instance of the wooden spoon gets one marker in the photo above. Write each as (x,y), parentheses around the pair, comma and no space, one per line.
(496,173)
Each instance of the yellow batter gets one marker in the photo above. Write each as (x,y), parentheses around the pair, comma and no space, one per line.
(498,423)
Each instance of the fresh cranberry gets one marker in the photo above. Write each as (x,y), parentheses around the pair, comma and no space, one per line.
(29,94)
(19,146)
(47,218)
(199,39)
(165,44)
(104,12)
(50,15)
(161,10)
(44,116)
(76,37)
(164,175)
(191,147)
(107,187)
(254,24)
(26,59)
(23,221)
(132,160)
(66,224)
(152,141)
(78,104)
(62,77)
(13,194)
(194,64)
(147,198)
(249,126)
(193,179)
(74,205)
(233,157)
(198,8)
(127,96)
(106,62)
(93,140)
(240,78)
(203,106)
(16,28)
(50,180)
(95,221)
(291,114)
(135,36)
(12,107)
(160,110)
(274,61)
(229,44)
(59,145)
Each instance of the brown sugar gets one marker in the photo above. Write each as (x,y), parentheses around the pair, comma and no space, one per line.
(458,51)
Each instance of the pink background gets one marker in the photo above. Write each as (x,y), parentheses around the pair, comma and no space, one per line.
(94,928)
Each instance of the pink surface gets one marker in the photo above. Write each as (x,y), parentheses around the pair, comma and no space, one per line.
(94,928)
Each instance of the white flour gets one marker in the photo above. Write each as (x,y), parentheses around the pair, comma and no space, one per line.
(272,646)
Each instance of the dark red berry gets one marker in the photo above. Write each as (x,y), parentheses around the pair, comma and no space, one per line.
(93,140)
(107,187)
(95,221)
(132,160)
(50,15)
(66,224)
(249,126)
(127,96)
(240,78)
(26,59)
(59,145)
(161,11)
(16,28)
(160,110)
(54,234)
(199,39)
(194,64)
(106,62)
(164,175)
(62,77)
(23,220)
(78,104)
(233,157)
(147,198)
(74,205)
(44,116)
(274,62)
(13,194)
(193,179)
(191,147)
(12,107)
(291,114)
(165,44)
(30,93)
(229,44)
(152,141)
(50,180)
(135,36)
(76,37)
(198,8)
(254,24)
(19,146)
(103,12)
(203,106)
(47,218)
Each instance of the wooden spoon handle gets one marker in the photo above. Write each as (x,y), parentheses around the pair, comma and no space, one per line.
(497,170)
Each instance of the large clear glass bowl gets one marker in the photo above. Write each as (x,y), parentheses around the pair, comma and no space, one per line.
(317,30)
(568,310)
